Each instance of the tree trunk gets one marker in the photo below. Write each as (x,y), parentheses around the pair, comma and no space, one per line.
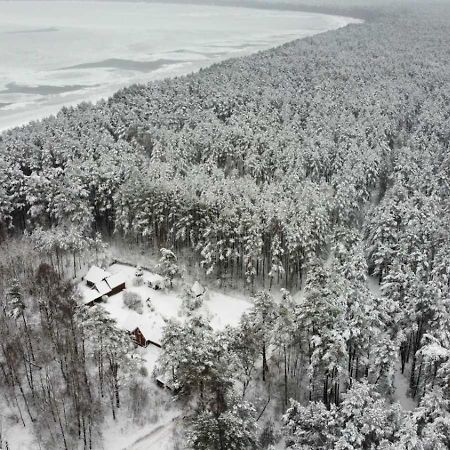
(285,378)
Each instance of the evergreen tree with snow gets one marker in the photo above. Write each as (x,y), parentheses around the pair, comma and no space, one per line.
(168,266)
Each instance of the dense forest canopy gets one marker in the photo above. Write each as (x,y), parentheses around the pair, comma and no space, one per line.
(322,166)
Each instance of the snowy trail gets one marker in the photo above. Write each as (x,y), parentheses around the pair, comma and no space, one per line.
(157,439)
(401,390)
(401,384)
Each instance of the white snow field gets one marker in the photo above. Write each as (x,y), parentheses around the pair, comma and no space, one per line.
(61,53)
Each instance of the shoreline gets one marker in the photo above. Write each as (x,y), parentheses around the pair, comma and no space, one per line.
(26,115)
(359,12)
(353,12)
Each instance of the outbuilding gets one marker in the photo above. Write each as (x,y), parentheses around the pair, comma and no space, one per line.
(155,281)
(197,289)
(145,330)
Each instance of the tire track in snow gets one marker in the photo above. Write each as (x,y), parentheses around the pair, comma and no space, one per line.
(155,438)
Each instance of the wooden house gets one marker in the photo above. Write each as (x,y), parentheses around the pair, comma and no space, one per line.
(116,283)
(100,283)
(197,290)
(95,276)
(139,337)
(145,330)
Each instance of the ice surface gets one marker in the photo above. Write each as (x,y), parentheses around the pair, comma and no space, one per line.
(62,53)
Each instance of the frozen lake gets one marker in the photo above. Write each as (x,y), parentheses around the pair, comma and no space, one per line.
(61,53)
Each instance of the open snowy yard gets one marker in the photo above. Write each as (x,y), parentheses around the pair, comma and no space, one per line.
(160,305)
(222,309)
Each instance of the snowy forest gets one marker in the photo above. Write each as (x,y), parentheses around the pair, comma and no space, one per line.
(313,178)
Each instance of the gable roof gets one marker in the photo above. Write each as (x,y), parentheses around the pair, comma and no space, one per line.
(102,288)
(197,289)
(103,283)
(115,280)
(154,278)
(151,326)
(96,275)
(89,295)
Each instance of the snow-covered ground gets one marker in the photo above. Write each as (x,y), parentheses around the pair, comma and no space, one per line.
(123,434)
(401,384)
(13,432)
(220,308)
(401,394)
(62,53)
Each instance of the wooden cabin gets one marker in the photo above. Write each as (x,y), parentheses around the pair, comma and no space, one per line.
(95,276)
(116,283)
(197,290)
(139,338)
(155,281)
(145,330)
(100,283)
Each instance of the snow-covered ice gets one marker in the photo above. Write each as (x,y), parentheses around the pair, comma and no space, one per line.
(62,53)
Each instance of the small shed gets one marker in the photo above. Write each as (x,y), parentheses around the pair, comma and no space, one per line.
(197,289)
(138,337)
(163,381)
(155,281)
(145,330)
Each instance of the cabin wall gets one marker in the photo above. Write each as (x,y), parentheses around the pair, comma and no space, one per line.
(139,338)
(117,289)
(153,343)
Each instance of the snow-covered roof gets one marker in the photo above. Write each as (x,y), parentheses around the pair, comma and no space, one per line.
(96,274)
(151,326)
(165,380)
(197,289)
(90,295)
(130,322)
(102,288)
(115,280)
(152,329)
(153,277)
(103,283)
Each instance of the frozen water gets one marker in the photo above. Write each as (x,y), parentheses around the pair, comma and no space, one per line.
(61,53)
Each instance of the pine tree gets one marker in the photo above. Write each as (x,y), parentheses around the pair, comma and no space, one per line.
(168,266)
(263,316)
